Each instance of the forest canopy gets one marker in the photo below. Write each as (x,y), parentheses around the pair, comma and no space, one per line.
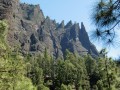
(43,72)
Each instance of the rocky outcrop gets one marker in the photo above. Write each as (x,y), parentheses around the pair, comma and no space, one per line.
(84,39)
(33,32)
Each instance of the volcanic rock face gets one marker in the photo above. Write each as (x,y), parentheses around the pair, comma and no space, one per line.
(33,32)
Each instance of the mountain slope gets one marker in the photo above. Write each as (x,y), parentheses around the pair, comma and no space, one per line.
(32,32)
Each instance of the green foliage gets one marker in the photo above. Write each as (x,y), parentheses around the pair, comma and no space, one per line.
(3,32)
(42,87)
(74,72)
(106,18)
(45,73)
(3,28)
(63,87)
(12,66)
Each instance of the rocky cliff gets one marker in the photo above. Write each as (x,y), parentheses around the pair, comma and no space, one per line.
(34,32)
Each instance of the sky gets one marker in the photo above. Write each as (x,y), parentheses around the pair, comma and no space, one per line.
(75,10)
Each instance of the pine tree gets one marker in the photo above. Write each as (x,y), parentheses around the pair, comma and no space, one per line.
(106,18)
(12,66)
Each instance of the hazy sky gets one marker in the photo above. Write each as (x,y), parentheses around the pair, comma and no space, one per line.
(75,10)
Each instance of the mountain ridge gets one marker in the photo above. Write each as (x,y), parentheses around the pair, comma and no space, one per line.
(34,32)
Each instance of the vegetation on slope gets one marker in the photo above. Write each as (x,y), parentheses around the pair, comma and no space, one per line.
(12,66)
(43,72)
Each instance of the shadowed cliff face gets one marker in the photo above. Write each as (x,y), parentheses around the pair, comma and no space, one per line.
(33,32)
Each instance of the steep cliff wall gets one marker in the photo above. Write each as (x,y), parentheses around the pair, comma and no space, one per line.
(30,30)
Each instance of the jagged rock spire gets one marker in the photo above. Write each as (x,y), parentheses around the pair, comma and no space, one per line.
(47,18)
(69,24)
(84,39)
(49,33)
(82,26)
(83,35)
(61,24)
(76,26)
